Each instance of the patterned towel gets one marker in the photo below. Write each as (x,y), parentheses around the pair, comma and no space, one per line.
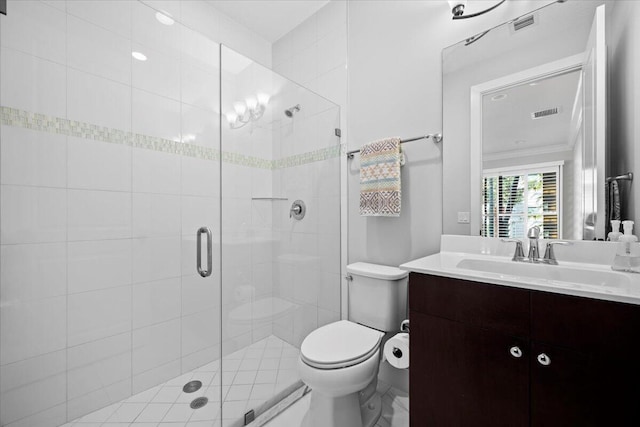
(380,192)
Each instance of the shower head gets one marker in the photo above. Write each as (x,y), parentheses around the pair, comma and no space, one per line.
(291,111)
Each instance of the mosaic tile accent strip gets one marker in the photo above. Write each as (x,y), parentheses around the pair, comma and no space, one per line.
(43,123)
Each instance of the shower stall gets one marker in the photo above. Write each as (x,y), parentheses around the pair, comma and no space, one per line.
(169,221)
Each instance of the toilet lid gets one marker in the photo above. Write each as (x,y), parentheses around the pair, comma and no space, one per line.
(339,344)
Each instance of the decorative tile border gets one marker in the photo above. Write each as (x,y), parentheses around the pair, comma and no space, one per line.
(43,123)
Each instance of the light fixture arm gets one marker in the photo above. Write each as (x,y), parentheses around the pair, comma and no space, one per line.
(459,14)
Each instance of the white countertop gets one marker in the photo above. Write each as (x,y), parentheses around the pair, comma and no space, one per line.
(619,286)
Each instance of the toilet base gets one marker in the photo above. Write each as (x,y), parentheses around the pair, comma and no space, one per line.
(327,411)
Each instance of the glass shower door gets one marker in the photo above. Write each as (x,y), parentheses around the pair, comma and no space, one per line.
(280,232)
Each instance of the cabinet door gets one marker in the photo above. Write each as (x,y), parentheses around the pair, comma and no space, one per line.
(562,388)
(466,376)
(593,375)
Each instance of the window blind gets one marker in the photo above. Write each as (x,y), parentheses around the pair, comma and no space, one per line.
(515,200)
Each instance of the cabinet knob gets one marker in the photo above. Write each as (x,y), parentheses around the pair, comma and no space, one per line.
(515,352)
(544,360)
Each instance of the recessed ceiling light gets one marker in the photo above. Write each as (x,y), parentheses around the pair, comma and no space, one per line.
(139,56)
(499,97)
(533,84)
(519,142)
(164,18)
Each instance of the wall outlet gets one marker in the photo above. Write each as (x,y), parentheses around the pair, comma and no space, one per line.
(463,217)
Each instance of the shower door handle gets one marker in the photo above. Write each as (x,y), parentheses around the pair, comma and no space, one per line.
(204,272)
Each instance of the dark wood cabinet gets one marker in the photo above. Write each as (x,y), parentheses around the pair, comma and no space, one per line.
(489,355)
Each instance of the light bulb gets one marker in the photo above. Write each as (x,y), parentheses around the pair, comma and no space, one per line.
(263,98)
(252,102)
(240,108)
(231,117)
(139,56)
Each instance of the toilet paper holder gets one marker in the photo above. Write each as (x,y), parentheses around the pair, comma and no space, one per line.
(404,326)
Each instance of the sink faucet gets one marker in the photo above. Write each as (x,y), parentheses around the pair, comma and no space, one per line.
(549,255)
(533,235)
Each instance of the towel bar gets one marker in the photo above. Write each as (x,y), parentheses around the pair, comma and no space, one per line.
(437,138)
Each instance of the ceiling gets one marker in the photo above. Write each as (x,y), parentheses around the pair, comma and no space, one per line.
(507,126)
(271,19)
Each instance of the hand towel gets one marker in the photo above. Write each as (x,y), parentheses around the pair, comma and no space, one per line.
(613,203)
(380,189)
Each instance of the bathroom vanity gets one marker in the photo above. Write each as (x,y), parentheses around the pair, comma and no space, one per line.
(493,349)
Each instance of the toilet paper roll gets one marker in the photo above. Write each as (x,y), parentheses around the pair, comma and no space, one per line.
(396,351)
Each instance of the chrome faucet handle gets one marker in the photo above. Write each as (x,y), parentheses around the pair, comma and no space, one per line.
(518,255)
(549,255)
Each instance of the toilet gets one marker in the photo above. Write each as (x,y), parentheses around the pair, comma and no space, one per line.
(340,361)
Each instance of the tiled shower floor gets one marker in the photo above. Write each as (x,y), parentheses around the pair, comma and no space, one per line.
(250,377)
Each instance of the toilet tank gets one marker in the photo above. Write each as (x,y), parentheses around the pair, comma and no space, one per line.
(377,295)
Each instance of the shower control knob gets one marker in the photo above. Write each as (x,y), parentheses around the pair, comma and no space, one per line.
(298,209)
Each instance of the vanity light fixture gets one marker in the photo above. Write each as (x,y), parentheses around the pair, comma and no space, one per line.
(458,6)
(249,110)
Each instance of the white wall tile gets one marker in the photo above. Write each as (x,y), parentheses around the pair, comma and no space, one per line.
(110,15)
(159,74)
(101,264)
(200,293)
(332,50)
(200,177)
(98,51)
(98,314)
(199,211)
(32,158)
(32,84)
(41,381)
(201,17)
(35,28)
(156,302)
(95,215)
(98,165)
(148,31)
(155,376)
(32,328)
(156,345)
(155,115)
(98,364)
(98,399)
(200,126)
(156,215)
(32,214)
(199,50)
(200,330)
(33,271)
(155,172)
(51,417)
(97,100)
(156,258)
(200,87)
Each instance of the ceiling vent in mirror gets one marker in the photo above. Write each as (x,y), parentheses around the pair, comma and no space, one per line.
(522,23)
(545,113)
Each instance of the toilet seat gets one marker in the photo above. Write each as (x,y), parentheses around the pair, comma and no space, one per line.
(339,345)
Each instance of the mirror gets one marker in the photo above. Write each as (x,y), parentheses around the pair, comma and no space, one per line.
(524,122)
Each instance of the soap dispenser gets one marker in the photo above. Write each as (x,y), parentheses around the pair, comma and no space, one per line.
(628,253)
(615,233)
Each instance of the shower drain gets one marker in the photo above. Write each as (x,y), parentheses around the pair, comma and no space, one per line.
(199,402)
(192,386)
